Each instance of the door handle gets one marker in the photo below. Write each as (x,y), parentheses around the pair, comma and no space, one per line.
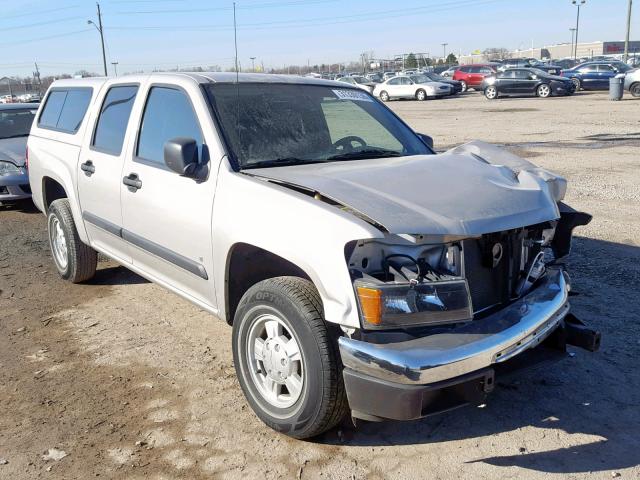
(88,168)
(132,181)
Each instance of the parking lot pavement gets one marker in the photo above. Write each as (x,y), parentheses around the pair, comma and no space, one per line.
(131,381)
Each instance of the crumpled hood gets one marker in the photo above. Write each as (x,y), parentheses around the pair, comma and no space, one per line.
(473,189)
(13,149)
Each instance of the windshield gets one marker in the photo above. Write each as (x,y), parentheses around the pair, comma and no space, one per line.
(361,80)
(267,124)
(420,78)
(16,122)
(539,72)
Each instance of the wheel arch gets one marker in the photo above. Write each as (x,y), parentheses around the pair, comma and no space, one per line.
(52,190)
(247,265)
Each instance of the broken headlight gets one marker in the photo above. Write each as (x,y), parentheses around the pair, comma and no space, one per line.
(409,286)
(414,304)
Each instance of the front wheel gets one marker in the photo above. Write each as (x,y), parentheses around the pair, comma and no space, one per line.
(576,83)
(74,260)
(421,95)
(635,89)
(286,358)
(464,86)
(384,96)
(543,90)
(491,92)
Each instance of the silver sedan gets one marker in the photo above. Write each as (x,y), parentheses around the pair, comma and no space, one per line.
(404,87)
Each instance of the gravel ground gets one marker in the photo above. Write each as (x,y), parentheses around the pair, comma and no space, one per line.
(130,381)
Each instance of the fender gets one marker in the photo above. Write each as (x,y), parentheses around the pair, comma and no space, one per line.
(304,231)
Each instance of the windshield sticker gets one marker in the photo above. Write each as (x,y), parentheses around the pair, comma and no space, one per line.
(348,94)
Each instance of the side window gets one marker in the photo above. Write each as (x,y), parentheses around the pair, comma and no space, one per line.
(168,114)
(394,81)
(65,109)
(486,70)
(405,81)
(605,68)
(114,118)
(588,69)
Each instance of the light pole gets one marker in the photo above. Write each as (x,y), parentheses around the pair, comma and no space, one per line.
(577,3)
(101,32)
(253,64)
(444,52)
(626,40)
(573,32)
(115,67)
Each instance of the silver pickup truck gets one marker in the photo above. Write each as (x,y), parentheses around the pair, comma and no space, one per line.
(360,270)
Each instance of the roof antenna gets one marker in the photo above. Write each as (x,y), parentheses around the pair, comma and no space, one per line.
(235,38)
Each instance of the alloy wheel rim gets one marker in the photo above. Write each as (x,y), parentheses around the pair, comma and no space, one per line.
(58,243)
(275,361)
(544,91)
(421,95)
(384,96)
(491,92)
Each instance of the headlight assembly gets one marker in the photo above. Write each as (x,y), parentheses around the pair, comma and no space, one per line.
(8,168)
(414,304)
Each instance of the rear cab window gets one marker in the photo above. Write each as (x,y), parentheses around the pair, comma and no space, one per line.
(111,126)
(65,108)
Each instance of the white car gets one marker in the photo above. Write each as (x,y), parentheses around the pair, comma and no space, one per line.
(450,71)
(359,81)
(403,87)
(360,271)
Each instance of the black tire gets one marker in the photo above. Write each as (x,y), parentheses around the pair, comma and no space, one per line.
(576,83)
(543,90)
(635,89)
(421,93)
(81,259)
(322,403)
(464,86)
(491,94)
(384,96)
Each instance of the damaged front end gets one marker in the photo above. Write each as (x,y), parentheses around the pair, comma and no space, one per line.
(440,315)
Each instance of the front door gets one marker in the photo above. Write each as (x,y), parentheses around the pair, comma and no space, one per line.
(100,171)
(167,217)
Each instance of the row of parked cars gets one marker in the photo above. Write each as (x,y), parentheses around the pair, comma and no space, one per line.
(24,98)
(544,80)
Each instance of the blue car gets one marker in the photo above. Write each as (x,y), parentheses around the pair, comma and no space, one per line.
(594,75)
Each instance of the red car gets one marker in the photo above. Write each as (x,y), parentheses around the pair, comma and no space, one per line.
(471,76)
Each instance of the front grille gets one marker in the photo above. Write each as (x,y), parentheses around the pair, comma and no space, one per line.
(491,285)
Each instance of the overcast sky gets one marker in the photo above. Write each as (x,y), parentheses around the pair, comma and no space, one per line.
(143,34)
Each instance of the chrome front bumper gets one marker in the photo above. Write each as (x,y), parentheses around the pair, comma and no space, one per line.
(476,345)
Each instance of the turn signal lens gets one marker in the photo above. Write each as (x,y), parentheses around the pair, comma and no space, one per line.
(371,305)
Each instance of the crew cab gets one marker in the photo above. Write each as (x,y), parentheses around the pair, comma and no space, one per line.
(360,270)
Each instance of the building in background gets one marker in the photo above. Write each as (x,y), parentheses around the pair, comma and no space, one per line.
(562,50)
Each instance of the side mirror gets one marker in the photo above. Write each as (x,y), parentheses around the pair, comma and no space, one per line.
(426,139)
(181,156)
(533,77)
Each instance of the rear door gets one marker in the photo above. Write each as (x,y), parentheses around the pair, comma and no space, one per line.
(505,81)
(167,218)
(605,72)
(394,87)
(100,170)
(589,76)
(524,83)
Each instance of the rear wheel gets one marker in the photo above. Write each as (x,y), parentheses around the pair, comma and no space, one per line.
(463,84)
(576,83)
(635,89)
(491,92)
(421,95)
(286,358)
(74,260)
(543,90)
(384,96)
